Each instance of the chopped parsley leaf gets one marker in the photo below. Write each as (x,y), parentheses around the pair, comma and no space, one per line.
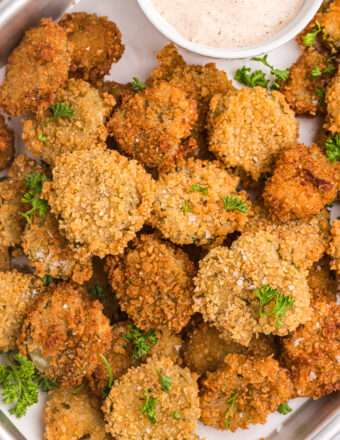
(108,388)
(97,291)
(257,78)
(79,388)
(137,85)
(142,342)
(232,203)
(309,38)
(150,407)
(175,415)
(165,381)
(41,137)
(333,148)
(186,207)
(266,294)
(35,183)
(60,110)
(284,408)
(204,191)
(315,72)
(232,400)
(321,94)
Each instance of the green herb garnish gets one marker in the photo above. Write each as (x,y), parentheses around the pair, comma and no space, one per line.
(310,37)
(150,407)
(175,415)
(41,137)
(204,191)
(60,110)
(35,183)
(137,85)
(266,294)
(107,388)
(143,343)
(280,75)
(333,148)
(47,280)
(79,388)
(165,381)
(232,203)
(186,207)
(257,78)
(97,291)
(284,408)
(232,400)
(315,72)
(321,94)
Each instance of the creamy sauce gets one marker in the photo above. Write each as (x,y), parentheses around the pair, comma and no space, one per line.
(227,23)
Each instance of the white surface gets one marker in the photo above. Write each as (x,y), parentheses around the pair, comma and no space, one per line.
(293,28)
(142,42)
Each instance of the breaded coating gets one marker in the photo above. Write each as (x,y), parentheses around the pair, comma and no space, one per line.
(185,215)
(330,24)
(50,253)
(123,408)
(303,182)
(312,352)
(101,198)
(334,248)
(120,355)
(5,260)
(35,69)
(333,105)
(12,190)
(97,43)
(6,144)
(205,349)
(153,281)
(64,333)
(151,125)
(227,281)
(248,127)
(69,133)
(17,291)
(168,59)
(301,90)
(258,386)
(302,242)
(322,281)
(117,90)
(70,416)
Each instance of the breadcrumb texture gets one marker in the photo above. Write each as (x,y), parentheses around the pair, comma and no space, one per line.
(17,291)
(119,356)
(69,416)
(248,127)
(312,352)
(333,105)
(97,43)
(322,281)
(330,24)
(69,133)
(153,282)
(262,385)
(35,69)
(123,408)
(50,253)
(151,125)
(12,190)
(334,249)
(6,144)
(205,349)
(227,280)
(5,260)
(303,182)
(102,199)
(64,333)
(207,219)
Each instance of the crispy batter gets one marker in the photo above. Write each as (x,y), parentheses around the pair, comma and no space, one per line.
(168,59)
(102,199)
(333,105)
(312,352)
(262,385)
(303,182)
(117,90)
(120,353)
(330,24)
(301,241)
(6,144)
(301,89)
(248,127)
(227,280)
(123,408)
(50,253)
(150,125)
(206,218)
(322,282)
(97,43)
(5,260)
(70,416)
(205,349)
(153,282)
(35,69)
(64,333)
(334,248)
(67,134)
(12,190)
(17,291)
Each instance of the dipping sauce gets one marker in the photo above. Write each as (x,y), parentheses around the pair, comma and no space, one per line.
(228,23)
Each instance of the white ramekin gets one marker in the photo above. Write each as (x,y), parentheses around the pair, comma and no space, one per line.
(306,13)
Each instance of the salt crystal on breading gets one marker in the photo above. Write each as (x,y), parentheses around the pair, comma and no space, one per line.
(291,287)
(312,375)
(239,282)
(192,218)
(297,341)
(207,234)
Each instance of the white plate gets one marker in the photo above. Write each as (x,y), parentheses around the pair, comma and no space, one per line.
(142,42)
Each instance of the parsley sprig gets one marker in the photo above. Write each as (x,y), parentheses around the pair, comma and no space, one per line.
(284,408)
(266,294)
(60,110)
(317,72)
(20,383)
(186,207)
(232,203)
(279,75)
(142,342)
(150,407)
(309,38)
(47,280)
(35,182)
(137,85)
(333,148)
(232,400)
(198,187)
(165,381)
(41,137)
(111,381)
(176,415)
(97,291)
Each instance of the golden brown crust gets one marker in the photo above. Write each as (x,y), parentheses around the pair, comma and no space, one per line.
(64,334)
(102,199)
(333,105)
(150,125)
(5,260)
(97,43)
(248,127)
(35,69)
(312,352)
(322,282)
(6,144)
(123,408)
(303,182)
(168,59)
(153,282)
(261,385)
(334,248)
